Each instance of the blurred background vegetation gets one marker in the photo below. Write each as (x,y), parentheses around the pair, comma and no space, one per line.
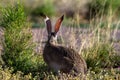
(80,11)
(20,61)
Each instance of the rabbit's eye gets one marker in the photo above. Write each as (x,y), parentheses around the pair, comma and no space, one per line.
(53,34)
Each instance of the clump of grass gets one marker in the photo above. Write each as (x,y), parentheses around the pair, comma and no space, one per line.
(91,75)
(99,56)
(5,74)
(103,75)
(100,52)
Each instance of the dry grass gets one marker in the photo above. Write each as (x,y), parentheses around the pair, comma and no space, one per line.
(96,43)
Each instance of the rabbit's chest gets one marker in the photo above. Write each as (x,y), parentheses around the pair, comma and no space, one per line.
(55,66)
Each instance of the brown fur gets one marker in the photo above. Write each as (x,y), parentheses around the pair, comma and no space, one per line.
(61,58)
(64,59)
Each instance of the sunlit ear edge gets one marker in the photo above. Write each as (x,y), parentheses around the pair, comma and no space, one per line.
(58,23)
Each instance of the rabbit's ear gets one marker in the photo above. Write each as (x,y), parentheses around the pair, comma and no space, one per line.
(58,23)
(48,25)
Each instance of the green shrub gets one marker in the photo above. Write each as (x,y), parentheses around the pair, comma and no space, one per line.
(18,50)
(47,8)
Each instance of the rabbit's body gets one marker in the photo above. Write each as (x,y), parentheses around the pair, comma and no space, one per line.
(64,59)
(61,58)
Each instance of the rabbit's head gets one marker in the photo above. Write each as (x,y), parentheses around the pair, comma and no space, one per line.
(52,36)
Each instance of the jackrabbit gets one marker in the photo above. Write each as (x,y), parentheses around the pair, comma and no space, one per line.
(61,58)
